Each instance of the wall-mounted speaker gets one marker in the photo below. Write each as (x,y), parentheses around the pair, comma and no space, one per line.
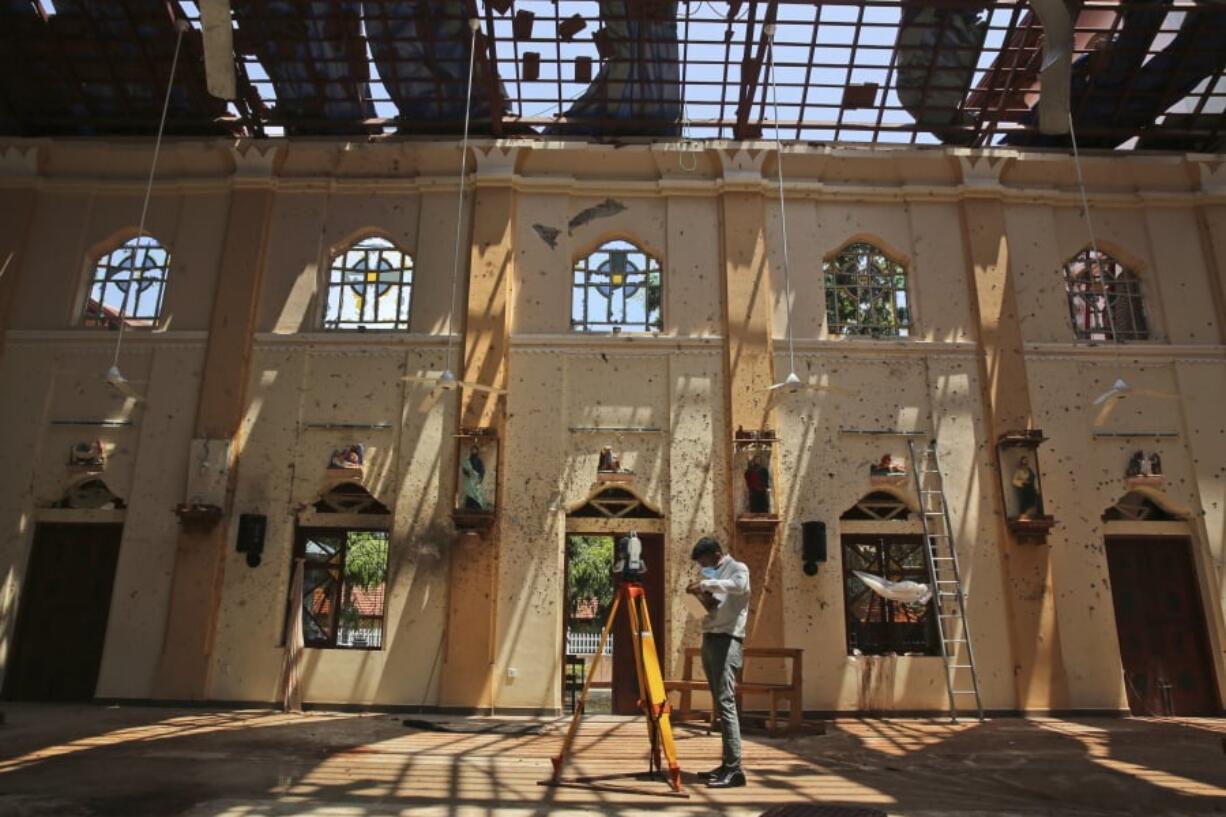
(812,545)
(251,530)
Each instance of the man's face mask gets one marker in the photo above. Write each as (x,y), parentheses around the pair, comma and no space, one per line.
(709,572)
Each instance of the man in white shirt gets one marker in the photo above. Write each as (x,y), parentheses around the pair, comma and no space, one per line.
(724,591)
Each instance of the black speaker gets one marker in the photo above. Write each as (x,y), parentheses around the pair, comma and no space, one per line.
(812,545)
(251,529)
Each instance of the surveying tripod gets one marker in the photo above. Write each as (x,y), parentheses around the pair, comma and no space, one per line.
(653,700)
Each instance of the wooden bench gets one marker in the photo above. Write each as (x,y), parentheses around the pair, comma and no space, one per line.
(776,693)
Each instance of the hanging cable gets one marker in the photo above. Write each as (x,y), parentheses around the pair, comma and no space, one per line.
(769,30)
(182,26)
(475,25)
(1097,267)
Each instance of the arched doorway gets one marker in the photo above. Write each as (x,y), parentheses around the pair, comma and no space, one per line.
(1159,616)
(592,528)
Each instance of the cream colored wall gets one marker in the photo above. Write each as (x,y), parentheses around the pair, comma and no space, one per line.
(61,380)
(296,388)
(326,195)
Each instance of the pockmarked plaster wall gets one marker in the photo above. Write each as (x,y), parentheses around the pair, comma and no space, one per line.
(661,401)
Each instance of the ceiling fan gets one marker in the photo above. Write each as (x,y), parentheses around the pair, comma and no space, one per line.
(125,387)
(792,383)
(1118,391)
(446,379)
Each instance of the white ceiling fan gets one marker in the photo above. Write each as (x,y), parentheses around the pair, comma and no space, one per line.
(792,383)
(125,387)
(1118,391)
(446,379)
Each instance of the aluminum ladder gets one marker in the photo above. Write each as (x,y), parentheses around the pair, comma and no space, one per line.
(941,552)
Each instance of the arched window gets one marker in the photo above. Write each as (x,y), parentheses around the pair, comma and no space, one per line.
(866,293)
(369,287)
(1104,299)
(616,288)
(128,285)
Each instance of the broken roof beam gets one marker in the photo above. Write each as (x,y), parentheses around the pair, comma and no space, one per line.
(489,60)
(751,72)
(1056,72)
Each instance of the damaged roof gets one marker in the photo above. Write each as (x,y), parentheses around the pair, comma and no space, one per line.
(1141,74)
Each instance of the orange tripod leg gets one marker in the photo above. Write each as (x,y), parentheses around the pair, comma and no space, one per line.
(559,760)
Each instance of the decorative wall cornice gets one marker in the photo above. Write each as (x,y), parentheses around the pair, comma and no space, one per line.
(1155,352)
(349,341)
(622,346)
(104,340)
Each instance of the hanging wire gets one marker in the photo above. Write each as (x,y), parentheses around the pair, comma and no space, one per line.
(182,26)
(473,24)
(1085,208)
(769,30)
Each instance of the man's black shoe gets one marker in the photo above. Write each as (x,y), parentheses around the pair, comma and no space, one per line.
(730,779)
(718,772)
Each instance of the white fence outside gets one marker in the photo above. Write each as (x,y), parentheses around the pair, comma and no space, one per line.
(586,643)
(371,637)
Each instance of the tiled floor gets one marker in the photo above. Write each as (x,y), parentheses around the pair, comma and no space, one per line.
(76,761)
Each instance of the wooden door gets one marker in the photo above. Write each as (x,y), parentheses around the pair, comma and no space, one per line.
(1161,626)
(65,602)
(625,679)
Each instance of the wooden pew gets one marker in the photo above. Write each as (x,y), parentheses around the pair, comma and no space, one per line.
(791,692)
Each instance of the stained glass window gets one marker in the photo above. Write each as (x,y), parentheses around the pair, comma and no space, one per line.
(369,287)
(866,293)
(128,285)
(1104,299)
(617,288)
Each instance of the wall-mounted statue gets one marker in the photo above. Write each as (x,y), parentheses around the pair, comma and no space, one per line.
(888,466)
(609,462)
(88,454)
(472,477)
(758,485)
(1026,490)
(349,458)
(1140,465)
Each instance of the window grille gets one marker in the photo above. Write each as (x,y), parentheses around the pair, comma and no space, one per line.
(878,506)
(128,285)
(369,287)
(866,293)
(1104,299)
(617,288)
(344,581)
(615,503)
(875,625)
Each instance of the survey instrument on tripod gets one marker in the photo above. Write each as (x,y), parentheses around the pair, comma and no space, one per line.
(653,700)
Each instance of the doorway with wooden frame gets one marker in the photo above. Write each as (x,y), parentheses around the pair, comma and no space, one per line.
(592,529)
(1159,614)
(65,604)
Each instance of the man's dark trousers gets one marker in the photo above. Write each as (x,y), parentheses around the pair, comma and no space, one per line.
(722,658)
